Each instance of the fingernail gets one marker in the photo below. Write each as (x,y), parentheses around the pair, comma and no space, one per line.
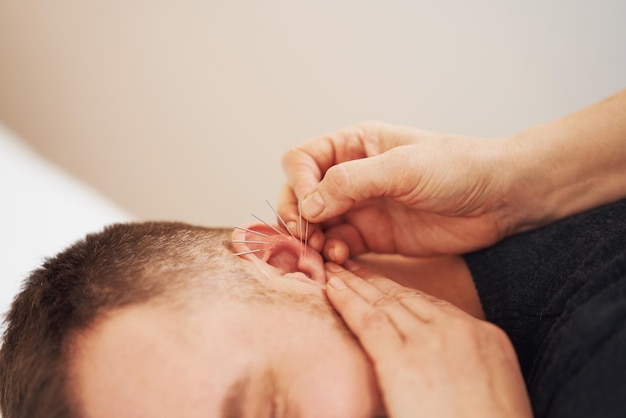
(337,283)
(313,205)
(332,267)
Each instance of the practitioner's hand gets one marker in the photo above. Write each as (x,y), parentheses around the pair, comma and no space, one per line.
(430,358)
(390,189)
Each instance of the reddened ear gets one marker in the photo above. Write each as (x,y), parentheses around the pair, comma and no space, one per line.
(279,250)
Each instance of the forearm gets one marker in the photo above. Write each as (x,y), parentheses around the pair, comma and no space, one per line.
(567,166)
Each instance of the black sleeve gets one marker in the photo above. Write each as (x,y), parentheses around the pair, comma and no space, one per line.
(560,294)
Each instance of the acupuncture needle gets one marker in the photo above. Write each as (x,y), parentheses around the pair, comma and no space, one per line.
(266,224)
(243,241)
(306,232)
(306,237)
(248,252)
(251,231)
(280,219)
(300,221)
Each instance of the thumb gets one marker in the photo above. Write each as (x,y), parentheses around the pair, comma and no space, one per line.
(350,182)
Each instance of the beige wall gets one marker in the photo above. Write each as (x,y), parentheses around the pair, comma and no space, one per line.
(181,109)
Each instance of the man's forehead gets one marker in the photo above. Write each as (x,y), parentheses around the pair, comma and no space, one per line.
(162,363)
(151,358)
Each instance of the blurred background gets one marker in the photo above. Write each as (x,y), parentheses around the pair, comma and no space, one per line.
(182,109)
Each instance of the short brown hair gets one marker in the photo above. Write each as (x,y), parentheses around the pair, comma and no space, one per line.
(123,265)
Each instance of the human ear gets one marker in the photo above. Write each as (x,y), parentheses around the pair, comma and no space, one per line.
(278,249)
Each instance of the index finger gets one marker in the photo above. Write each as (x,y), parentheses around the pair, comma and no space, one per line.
(377,332)
(306,164)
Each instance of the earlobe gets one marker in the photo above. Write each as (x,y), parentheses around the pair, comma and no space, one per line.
(278,249)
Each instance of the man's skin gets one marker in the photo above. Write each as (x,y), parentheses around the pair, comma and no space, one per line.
(226,357)
(219,357)
(230,361)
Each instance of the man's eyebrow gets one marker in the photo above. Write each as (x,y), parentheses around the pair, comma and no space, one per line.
(234,401)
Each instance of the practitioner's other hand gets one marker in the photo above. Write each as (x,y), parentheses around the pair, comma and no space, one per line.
(389,189)
(431,359)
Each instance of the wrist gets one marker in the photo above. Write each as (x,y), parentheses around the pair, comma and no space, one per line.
(525,186)
(553,172)
(566,166)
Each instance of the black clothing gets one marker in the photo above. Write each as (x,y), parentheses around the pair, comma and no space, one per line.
(559,292)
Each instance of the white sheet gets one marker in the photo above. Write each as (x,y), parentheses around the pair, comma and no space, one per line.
(42,210)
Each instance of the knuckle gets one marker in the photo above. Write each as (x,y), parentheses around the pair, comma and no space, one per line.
(436,342)
(403,292)
(290,156)
(368,129)
(480,334)
(374,319)
(499,337)
(376,280)
(461,329)
(443,304)
(383,300)
(440,303)
(367,133)
(338,177)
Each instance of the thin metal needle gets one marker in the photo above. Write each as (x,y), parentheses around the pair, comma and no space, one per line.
(300,218)
(248,252)
(266,224)
(251,231)
(279,218)
(243,241)
(306,237)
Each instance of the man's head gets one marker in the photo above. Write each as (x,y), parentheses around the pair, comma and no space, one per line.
(162,320)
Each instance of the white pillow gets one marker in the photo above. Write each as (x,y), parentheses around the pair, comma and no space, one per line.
(42,211)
